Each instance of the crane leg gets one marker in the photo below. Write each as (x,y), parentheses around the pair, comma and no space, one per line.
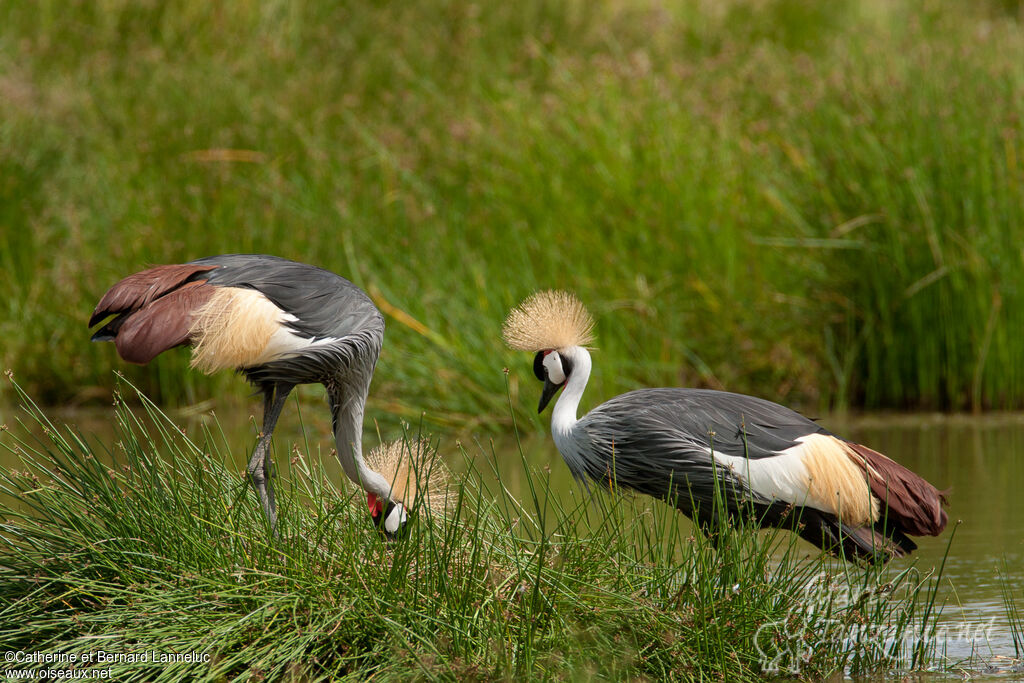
(274,398)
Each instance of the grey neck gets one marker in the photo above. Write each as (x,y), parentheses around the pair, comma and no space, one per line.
(347,404)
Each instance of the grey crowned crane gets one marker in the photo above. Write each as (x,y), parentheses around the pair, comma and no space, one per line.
(279,323)
(766,461)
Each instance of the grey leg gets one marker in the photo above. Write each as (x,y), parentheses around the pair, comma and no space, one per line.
(259,464)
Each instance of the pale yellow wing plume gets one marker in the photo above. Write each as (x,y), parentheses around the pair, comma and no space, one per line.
(548,319)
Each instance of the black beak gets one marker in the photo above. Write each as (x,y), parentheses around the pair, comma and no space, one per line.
(550,389)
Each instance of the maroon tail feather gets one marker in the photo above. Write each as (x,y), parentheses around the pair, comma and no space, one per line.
(137,290)
(154,310)
(914,505)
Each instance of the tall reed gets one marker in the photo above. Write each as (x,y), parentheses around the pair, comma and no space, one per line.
(744,192)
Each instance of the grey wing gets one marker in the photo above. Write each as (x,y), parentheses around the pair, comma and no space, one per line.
(323,305)
(732,424)
(653,437)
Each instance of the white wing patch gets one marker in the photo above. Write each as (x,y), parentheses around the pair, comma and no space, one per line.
(287,342)
(779,477)
(240,327)
(817,472)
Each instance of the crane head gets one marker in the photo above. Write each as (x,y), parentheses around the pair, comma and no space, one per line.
(551,323)
(418,479)
(553,369)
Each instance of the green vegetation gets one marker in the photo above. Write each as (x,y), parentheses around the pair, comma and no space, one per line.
(1013,615)
(156,546)
(819,203)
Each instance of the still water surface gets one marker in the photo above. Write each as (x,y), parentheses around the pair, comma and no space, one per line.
(979,459)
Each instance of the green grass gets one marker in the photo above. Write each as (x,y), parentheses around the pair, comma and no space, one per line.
(819,205)
(1015,618)
(154,543)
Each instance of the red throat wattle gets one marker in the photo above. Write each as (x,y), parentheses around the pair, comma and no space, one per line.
(375,505)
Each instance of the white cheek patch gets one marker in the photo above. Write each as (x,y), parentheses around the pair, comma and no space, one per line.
(553,364)
(395,519)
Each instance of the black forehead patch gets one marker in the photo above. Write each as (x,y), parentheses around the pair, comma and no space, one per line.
(538,365)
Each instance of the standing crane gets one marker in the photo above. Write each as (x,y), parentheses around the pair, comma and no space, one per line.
(278,322)
(713,452)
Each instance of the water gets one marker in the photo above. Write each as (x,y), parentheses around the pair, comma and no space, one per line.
(979,459)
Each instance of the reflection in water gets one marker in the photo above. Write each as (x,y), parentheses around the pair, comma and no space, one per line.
(978,459)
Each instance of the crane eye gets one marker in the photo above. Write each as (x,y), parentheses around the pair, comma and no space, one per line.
(538,365)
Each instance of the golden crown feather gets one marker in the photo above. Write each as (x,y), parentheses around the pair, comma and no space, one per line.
(549,319)
(415,472)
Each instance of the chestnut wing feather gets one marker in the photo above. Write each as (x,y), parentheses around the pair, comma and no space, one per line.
(139,289)
(913,504)
(161,325)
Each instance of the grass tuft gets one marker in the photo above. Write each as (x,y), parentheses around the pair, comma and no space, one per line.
(156,544)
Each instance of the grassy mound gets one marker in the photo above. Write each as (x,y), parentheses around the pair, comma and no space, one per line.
(155,545)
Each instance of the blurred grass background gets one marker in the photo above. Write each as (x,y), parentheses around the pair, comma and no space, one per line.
(817,203)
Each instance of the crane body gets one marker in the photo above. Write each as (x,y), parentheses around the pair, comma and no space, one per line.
(712,453)
(278,322)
